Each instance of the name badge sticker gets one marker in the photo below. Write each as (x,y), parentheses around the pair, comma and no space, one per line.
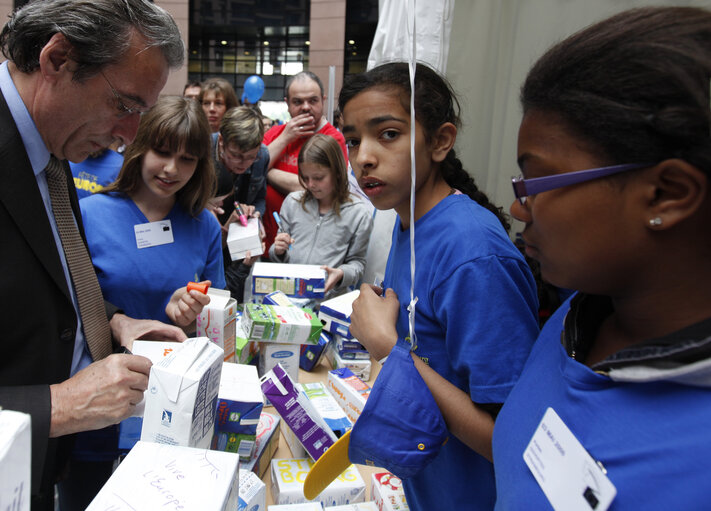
(153,234)
(570,478)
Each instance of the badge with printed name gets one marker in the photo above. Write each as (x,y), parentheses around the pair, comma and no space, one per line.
(570,478)
(153,234)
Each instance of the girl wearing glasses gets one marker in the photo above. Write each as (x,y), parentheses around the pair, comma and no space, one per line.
(476,314)
(615,151)
(149,232)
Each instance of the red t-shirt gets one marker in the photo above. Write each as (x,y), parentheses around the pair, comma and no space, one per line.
(289,163)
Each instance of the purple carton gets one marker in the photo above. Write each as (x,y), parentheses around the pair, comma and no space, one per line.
(297,412)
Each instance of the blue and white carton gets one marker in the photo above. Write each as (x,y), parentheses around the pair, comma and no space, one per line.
(335,314)
(299,280)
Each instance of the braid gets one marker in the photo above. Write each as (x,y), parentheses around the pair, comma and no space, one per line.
(456,177)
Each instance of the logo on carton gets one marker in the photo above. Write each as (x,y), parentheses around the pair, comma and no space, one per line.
(166,418)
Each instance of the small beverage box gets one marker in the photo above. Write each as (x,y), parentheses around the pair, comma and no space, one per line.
(15,460)
(241,239)
(327,407)
(297,412)
(360,367)
(308,506)
(245,350)
(294,280)
(218,321)
(252,492)
(181,398)
(278,298)
(266,444)
(386,490)
(239,406)
(288,476)
(336,313)
(311,355)
(362,506)
(349,391)
(274,323)
(156,476)
(273,353)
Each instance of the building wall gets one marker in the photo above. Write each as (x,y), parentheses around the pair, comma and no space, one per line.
(178,77)
(327,33)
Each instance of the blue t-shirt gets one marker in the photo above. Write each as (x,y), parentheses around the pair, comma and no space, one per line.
(141,281)
(476,320)
(652,438)
(94,174)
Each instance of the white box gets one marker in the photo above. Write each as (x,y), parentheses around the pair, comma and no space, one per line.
(336,313)
(349,391)
(362,506)
(297,450)
(273,353)
(252,492)
(218,321)
(329,409)
(308,506)
(301,280)
(155,351)
(288,477)
(155,476)
(267,444)
(241,239)
(15,460)
(361,368)
(386,490)
(181,398)
(239,406)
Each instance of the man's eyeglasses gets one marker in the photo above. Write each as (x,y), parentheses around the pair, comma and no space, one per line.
(124,110)
(526,187)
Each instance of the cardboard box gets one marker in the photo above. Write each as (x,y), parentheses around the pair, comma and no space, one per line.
(361,368)
(262,322)
(311,355)
(386,490)
(245,350)
(241,239)
(301,280)
(295,448)
(266,444)
(182,392)
(349,391)
(218,321)
(273,353)
(155,476)
(278,298)
(362,506)
(252,492)
(308,506)
(239,406)
(329,409)
(288,477)
(336,313)
(15,460)
(297,412)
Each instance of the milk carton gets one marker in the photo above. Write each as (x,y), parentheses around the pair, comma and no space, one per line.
(349,391)
(182,395)
(157,476)
(262,322)
(297,412)
(300,280)
(288,477)
(308,506)
(361,506)
(336,313)
(252,492)
(273,353)
(15,460)
(218,321)
(386,490)
(239,406)
(242,239)
(266,444)
(245,350)
(360,367)
(310,355)
(332,414)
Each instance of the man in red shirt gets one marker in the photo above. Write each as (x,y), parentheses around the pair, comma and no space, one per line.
(304,99)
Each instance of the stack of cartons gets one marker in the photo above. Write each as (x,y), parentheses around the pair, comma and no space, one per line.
(349,391)
(15,460)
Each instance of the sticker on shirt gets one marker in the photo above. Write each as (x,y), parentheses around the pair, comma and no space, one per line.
(570,478)
(153,234)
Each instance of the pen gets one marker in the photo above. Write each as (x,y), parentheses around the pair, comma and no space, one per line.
(278,222)
(242,218)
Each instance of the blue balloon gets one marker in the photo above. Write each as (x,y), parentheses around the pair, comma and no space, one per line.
(253,89)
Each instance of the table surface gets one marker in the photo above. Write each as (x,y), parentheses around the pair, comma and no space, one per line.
(319,373)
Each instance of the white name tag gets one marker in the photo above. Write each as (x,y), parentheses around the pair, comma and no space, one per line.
(567,474)
(153,234)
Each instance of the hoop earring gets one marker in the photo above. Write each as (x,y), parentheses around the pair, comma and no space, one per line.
(655,222)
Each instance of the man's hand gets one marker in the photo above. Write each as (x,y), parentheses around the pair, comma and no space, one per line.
(303,125)
(125,330)
(185,306)
(104,393)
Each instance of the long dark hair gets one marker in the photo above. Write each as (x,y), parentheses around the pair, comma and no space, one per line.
(635,86)
(435,104)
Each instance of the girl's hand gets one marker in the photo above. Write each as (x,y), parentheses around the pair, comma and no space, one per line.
(282,241)
(335,276)
(374,318)
(184,306)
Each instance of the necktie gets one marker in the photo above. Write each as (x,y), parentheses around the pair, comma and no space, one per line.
(86,286)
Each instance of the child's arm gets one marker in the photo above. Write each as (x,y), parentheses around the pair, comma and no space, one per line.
(373,324)
(354,263)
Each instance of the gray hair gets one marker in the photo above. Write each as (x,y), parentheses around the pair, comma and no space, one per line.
(99,31)
(303,75)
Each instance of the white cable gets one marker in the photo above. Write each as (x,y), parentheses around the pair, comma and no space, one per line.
(412,10)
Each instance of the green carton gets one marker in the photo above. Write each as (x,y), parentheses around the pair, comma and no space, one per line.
(294,325)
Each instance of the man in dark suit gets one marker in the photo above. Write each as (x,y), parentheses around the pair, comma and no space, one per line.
(78,76)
